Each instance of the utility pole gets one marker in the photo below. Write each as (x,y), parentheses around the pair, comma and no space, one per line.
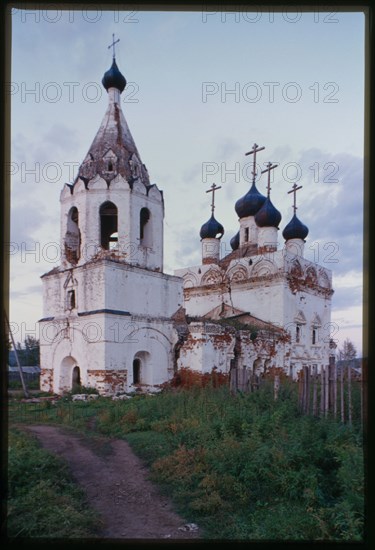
(26,393)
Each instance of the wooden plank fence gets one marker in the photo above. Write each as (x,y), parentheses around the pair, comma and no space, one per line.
(331,392)
(243,380)
(336,392)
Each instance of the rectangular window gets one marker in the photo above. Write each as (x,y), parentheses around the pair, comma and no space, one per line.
(298,334)
(246,234)
(314,336)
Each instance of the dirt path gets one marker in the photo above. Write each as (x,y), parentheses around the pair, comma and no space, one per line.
(116,485)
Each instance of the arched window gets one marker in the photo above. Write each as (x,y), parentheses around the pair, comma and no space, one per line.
(313,339)
(71,299)
(72,237)
(145,234)
(108,225)
(298,334)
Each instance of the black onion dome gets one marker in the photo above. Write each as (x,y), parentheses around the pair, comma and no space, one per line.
(295,229)
(249,204)
(113,78)
(210,229)
(268,215)
(235,241)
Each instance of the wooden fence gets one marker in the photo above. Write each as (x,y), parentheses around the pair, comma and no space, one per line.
(337,392)
(243,380)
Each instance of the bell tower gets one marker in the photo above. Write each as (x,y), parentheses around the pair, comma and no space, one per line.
(109,303)
(112,205)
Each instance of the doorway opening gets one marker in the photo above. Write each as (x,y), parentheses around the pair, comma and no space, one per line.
(136,371)
(76,378)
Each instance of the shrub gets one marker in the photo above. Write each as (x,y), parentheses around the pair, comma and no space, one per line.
(188,378)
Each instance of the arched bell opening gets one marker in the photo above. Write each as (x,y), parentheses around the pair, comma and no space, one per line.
(108,226)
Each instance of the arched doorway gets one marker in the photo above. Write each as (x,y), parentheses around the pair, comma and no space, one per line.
(69,374)
(76,378)
(142,372)
(136,371)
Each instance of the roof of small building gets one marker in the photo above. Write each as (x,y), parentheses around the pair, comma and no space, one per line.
(226,312)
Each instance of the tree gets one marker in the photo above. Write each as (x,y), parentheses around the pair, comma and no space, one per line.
(28,353)
(32,350)
(348,351)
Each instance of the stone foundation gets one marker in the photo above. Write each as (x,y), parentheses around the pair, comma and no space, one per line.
(108,382)
(46,380)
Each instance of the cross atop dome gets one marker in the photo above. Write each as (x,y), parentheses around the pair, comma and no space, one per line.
(294,190)
(255,149)
(113,44)
(212,229)
(270,167)
(295,228)
(212,190)
(113,78)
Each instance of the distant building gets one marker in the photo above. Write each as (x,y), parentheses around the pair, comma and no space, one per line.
(113,319)
(355,365)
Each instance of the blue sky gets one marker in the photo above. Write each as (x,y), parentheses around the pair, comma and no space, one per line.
(202,88)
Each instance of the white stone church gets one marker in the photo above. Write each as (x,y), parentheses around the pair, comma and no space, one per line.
(114,320)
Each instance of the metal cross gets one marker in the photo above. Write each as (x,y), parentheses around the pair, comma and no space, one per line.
(212,190)
(294,191)
(113,44)
(254,152)
(270,167)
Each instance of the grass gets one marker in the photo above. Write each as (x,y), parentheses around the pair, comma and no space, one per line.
(43,500)
(243,466)
(16,384)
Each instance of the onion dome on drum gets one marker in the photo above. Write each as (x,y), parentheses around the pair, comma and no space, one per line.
(295,229)
(235,241)
(113,78)
(211,229)
(250,204)
(268,215)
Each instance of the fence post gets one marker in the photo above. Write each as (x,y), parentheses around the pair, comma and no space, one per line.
(232,380)
(342,394)
(276,386)
(334,390)
(300,389)
(322,398)
(364,398)
(326,408)
(349,394)
(315,392)
(307,406)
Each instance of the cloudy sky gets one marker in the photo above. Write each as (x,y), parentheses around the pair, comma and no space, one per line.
(202,88)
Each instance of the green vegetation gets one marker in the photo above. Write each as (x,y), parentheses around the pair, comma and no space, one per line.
(241,466)
(43,500)
(30,384)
